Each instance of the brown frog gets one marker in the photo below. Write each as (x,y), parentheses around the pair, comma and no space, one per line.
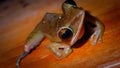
(63,30)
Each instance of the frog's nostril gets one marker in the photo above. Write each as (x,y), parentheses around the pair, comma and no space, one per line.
(61,48)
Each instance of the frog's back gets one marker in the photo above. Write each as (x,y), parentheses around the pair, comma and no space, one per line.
(49,24)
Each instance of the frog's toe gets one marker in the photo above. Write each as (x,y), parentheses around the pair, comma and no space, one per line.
(100,39)
(92,36)
(94,41)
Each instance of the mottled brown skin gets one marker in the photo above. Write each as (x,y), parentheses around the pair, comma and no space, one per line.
(54,25)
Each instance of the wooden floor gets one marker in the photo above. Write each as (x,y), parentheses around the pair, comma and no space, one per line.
(18,18)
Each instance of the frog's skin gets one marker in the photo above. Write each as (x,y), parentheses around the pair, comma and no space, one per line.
(63,30)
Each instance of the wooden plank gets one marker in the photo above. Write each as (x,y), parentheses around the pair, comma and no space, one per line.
(17,20)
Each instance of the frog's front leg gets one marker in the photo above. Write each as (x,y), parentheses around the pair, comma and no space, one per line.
(33,41)
(61,50)
(98,30)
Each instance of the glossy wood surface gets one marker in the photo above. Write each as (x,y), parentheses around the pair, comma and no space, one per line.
(18,18)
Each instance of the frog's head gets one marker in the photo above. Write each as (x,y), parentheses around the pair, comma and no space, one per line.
(70,32)
(69,29)
(70,26)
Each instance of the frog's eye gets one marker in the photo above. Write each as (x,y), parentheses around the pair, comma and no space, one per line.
(65,33)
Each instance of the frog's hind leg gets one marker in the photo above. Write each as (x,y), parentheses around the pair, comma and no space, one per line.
(32,42)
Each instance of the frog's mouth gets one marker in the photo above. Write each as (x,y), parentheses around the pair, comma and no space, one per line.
(61,50)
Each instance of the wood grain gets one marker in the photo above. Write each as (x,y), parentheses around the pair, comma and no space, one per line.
(18,18)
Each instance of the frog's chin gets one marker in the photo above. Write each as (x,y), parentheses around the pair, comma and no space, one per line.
(61,50)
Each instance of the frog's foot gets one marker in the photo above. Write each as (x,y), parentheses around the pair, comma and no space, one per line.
(60,50)
(96,36)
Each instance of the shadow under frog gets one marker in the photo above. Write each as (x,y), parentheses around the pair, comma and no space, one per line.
(89,30)
(66,31)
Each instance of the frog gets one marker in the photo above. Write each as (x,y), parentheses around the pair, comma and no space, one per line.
(63,30)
